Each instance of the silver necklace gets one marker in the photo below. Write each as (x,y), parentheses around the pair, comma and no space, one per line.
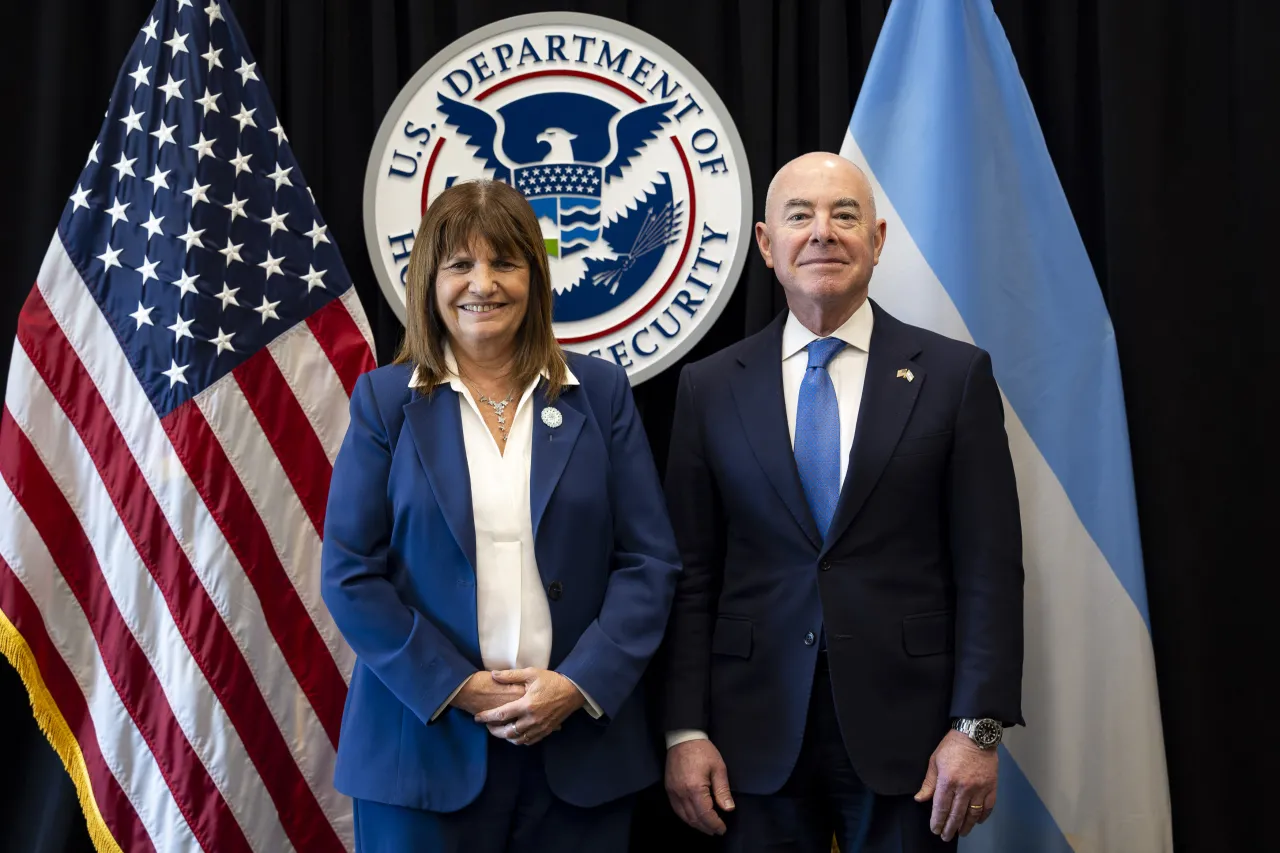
(499,406)
(500,409)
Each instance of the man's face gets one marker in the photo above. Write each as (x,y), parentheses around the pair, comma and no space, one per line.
(820,235)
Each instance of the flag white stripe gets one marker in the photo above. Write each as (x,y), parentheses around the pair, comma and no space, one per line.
(293,536)
(195,529)
(143,607)
(1081,698)
(123,748)
(1089,682)
(309,373)
(296,544)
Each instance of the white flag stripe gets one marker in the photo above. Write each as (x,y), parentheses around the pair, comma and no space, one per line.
(1089,676)
(143,607)
(123,748)
(1076,688)
(315,383)
(356,310)
(296,544)
(293,537)
(201,539)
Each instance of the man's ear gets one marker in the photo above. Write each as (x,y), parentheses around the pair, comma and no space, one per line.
(882,228)
(763,244)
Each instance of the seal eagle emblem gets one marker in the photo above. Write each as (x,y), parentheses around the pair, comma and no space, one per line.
(619,247)
(629,160)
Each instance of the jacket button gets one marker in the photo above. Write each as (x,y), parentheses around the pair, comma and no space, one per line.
(825,565)
(809,639)
(554,590)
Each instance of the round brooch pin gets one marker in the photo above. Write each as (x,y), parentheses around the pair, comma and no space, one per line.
(551,417)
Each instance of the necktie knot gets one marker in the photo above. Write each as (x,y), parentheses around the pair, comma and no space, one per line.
(823,350)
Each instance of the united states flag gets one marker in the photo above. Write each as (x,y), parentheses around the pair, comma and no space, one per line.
(177,395)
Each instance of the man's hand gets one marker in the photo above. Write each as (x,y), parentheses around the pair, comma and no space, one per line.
(696,772)
(481,693)
(548,699)
(962,781)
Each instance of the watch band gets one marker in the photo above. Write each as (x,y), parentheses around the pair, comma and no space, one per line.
(985,732)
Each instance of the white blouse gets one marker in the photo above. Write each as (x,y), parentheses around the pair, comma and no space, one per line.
(512,613)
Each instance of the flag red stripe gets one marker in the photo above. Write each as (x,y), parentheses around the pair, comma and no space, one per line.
(116,810)
(228,502)
(202,628)
(193,789)
(340,338)
(289,432)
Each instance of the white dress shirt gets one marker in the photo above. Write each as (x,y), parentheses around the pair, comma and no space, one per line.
(848,371)
(512,613)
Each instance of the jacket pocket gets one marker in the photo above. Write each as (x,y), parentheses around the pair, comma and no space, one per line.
(928,633)
(732,637)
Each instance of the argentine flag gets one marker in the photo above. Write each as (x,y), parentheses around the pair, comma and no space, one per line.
(982,247)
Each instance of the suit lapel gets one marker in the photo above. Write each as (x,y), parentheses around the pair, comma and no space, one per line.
(435,423)
(887,401)
(757,390)
(552,447)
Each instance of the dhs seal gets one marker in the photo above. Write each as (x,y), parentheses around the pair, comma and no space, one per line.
(626,154)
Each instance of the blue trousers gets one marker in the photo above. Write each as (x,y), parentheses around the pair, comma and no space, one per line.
(516,812)
(824,797)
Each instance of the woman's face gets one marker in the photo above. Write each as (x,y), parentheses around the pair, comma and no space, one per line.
(482,297)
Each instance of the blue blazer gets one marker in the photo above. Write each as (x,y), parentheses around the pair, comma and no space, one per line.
(918,582)
(398,575)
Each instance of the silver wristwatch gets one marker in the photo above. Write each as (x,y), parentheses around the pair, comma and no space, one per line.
(986,733)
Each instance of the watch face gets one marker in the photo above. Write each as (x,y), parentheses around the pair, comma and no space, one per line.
(987,733)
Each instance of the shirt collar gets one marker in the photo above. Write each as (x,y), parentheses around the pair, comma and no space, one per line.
(455,381)
(856,332)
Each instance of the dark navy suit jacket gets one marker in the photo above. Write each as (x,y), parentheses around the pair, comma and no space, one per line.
(399,577)
(918,583)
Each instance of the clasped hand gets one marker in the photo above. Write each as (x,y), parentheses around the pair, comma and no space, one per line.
(521,706)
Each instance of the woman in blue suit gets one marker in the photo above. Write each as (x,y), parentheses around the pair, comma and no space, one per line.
(498,554)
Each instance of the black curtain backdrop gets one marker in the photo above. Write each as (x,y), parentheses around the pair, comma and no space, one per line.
(1154,115)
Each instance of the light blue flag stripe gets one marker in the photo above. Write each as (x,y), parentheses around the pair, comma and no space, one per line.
(943,106)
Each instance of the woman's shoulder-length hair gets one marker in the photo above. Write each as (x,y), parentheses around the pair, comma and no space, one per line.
(463,215)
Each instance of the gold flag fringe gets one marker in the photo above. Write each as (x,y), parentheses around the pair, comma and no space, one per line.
(14,647)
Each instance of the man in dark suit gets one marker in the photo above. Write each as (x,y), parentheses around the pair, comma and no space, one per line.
(845,645)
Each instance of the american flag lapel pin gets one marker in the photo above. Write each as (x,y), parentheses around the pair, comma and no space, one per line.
(906,374)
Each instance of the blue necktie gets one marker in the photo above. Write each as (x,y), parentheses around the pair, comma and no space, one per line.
(817,442)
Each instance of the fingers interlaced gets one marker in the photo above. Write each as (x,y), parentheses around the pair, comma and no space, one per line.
(522,731)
